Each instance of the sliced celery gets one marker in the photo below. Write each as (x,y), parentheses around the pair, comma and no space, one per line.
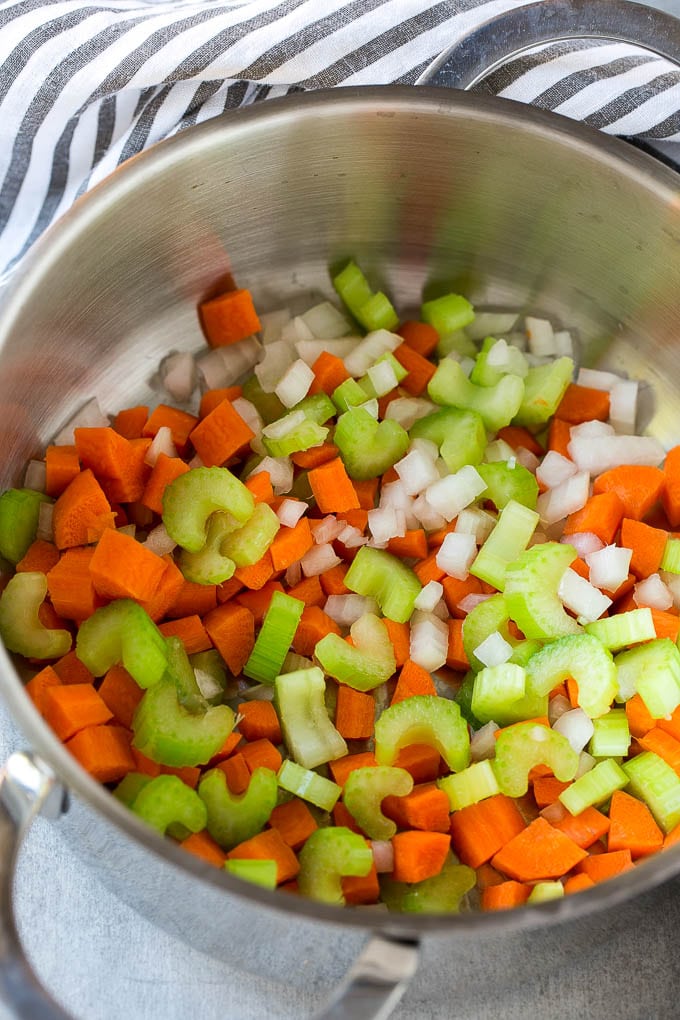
(367,662)
(190,499)
(473,784)
(348,394)
(508,540)
(624,629)
(460,435)
(167,801)
(653,671)
(273,642)
(448,313)
(130,786)
(488,617)
(464,700)
(531,584)
(19,513)
(308,785)
(486,374)
(441,894)
(20,625)
(611,735)
(544,387)
(122,632)
(506,483)
(519,748)
(363,794)
(182,674)
(457,342)
(209,565)
(249,543)
(671,556)
(582,657)
(169,734)
(497,405)
(292,433)
(259,872)
(542,892)
(367,447)
(594,787)
(385,578)
(328,856)
(653,781)
(317,407)
(234,818)
(309,735)
(371,310)
(423,719)
(495,691)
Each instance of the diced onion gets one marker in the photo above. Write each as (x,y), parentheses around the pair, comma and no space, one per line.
(326,321)
(385,523)
(90,415)
(555,469)
(352,538)
(494,650)
(296,330)
(470,602)
(598,454)
(36,475)
(290,511)
(383,856)
(557,707)
(483,742)
(577,594)
(609,567)
(564,345)
(178,374)
(347,609)
(540,336)
(475,521)
(452,494)
(326,530)
(159,542)
(566,498)
(272,323)
(595,379)
(429,641)
(318,559)
(416,471)
(490,324)
(672,582)
(294,384)
(456,554)
(293,574)
(224,366)
(623,406)
(527,459)
(368,350)
(278,357)
(584,542)
(309,350)
(653,592)
(383,378)
(506,358)
(586,763)
(44,530)
(576,726)
(498,451)
(162,443)
(408,410)
(280,473)
(429,596)
(425,515)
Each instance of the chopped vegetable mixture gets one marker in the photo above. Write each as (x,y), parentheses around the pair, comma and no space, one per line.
(394,621)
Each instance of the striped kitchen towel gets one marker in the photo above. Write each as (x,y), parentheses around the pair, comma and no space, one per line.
(85,84)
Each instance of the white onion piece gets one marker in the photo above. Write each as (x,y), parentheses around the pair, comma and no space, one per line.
(89,416)
(280,473)
(251,417)
(293,574)
(566,498)
(319,558)
(425,515)
(579,595)
(347,609)
(327,529)
(653,592)
(408,410)
(326,321)
(494,650)
(368,350)
(527,459)
(555,469)
(554,812)
(594,429)
(278,357)
(272,323)
(623,406)
(557,707)
(159,542)
(429,643)
(352,538)
(609,567)
(483,742)
(490,324)
(162,443)
(385,523)
(179,376)
(294,383)
(425,447)
(456,554)
(429,597)
(44,530)
(371,406)
(36,475)
(290,511)
(596,379)
(296,330)
(672,582)
(598,454)
(383,856)
(508,359)
(416,471)
(475,521)
(564,344)
(584,542)
(383,378)
(470,602)
(498,451)
(224,366)
(309,350)
(586,763)
(195,462)
(540,336)
(452,494)
(207,684)
(576,726)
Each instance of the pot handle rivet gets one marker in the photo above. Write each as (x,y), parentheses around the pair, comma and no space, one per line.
(376,981)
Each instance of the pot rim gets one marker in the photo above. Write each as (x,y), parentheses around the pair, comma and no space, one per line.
(383,101)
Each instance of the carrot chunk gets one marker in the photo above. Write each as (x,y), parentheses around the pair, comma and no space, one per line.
(314,624)
(481,830)
(130,421)
(426,807)
(82,512)
(601,515)
(361,889)
(291,544)
(600,867)
(538,852)
(202,845)
(164,471)
(269,846)
(259,721)
(180,423)
(581,403)
(37,685)
(422,337)
(70,586)
(419,369)
(294,821)
(121,694)
(637,487)
(413,680)
(40,556)
(647,543)
(121,567)
(232,630)
(505,895)
(419,855)
(190,631)
(228,318)
(261,754)
(632,826)
(220,435)
(61,467)
(103,751)
(332,487)
(71,707)
(354,713)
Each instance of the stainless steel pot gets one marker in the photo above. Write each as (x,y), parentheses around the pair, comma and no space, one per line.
(513,206)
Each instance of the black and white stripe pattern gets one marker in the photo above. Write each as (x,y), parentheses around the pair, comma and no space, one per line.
(86,85)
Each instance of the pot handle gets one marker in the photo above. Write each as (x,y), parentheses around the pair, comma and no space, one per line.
(376,981)
(468,61)
(27,788)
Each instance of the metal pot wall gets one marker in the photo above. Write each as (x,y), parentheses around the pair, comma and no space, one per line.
(514,207)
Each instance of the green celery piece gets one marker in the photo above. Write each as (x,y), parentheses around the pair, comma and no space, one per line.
(531,584)
(497,405)
(212,665)
(348,394)
(352,287)
(182,674)
(611,736)
(496,690)
(167,801)
(385,578)
(485,619)
(484,374)
(367,381)
(653,671)
(464,700)
(582,657)
(594,787)
(475,783)
(544,387)
(167,733)
(423,719)
(292,433)
(542,892)
(262,872)
(505,483)
(308,785)
(367,447)
(521,747)
(653,781)
(317,407)
(460,435)
(249,543)
(624,629)
(190,499)
(20,626)
(365,664)
(268,405)
(128,788)
(508,540)
(209,565)
(397,367)
(328,856)
(448,313)
(309,735)
(457,341)
(440,894)
(231,818)
(521,654)
(123,632)
(19,513)
(363,794)
(377,313)
(273,642)
(670,560)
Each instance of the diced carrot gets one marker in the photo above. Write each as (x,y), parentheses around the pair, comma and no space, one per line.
(361,890)
(202,845)
(227,748)
(268,846)
(413,679)
(632,826)
(144,764)
(333,581)
(455,591)
(518,437)
(121,567)
(220,435)
(539,852)
(422,337)
(427,570)
(662,743)
(228,318)
(332,487)
(117,463)
(672,724)
(539,720)
(257,575)
(314,456)
(600,867)
(71,670)
(647,543)
(480,830)
(61,467)
(314,624)
(505,895)
(666,624)
(354,713)
(581,568)
(40,556)
(672,839)
(670,494)
(38,684)
(366,489)
(211,398)
(581,403)
(103,751)
(426,807)
(130,421)
(70,586)
(259,721)
(71,707)
(261,754)
(237,772)
(342,817)
(638,487)
(385,401)
(81,513)
(577,883)
(190,631)
(640,721)
(421,761)
(601,515)
(419,855)
(189,774)
(169,587)
(260,484)
(400,636)
(486,876)
(456,657)
(546,790)
(412,545)
(329,372)
(584,829)
(232,630)
(164,471)
(341,767)
(357,518)
(180,423)
(294,822)
(291,544)
(419,369)
(258,600)
(121,694)
(309,591)
(559,436)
